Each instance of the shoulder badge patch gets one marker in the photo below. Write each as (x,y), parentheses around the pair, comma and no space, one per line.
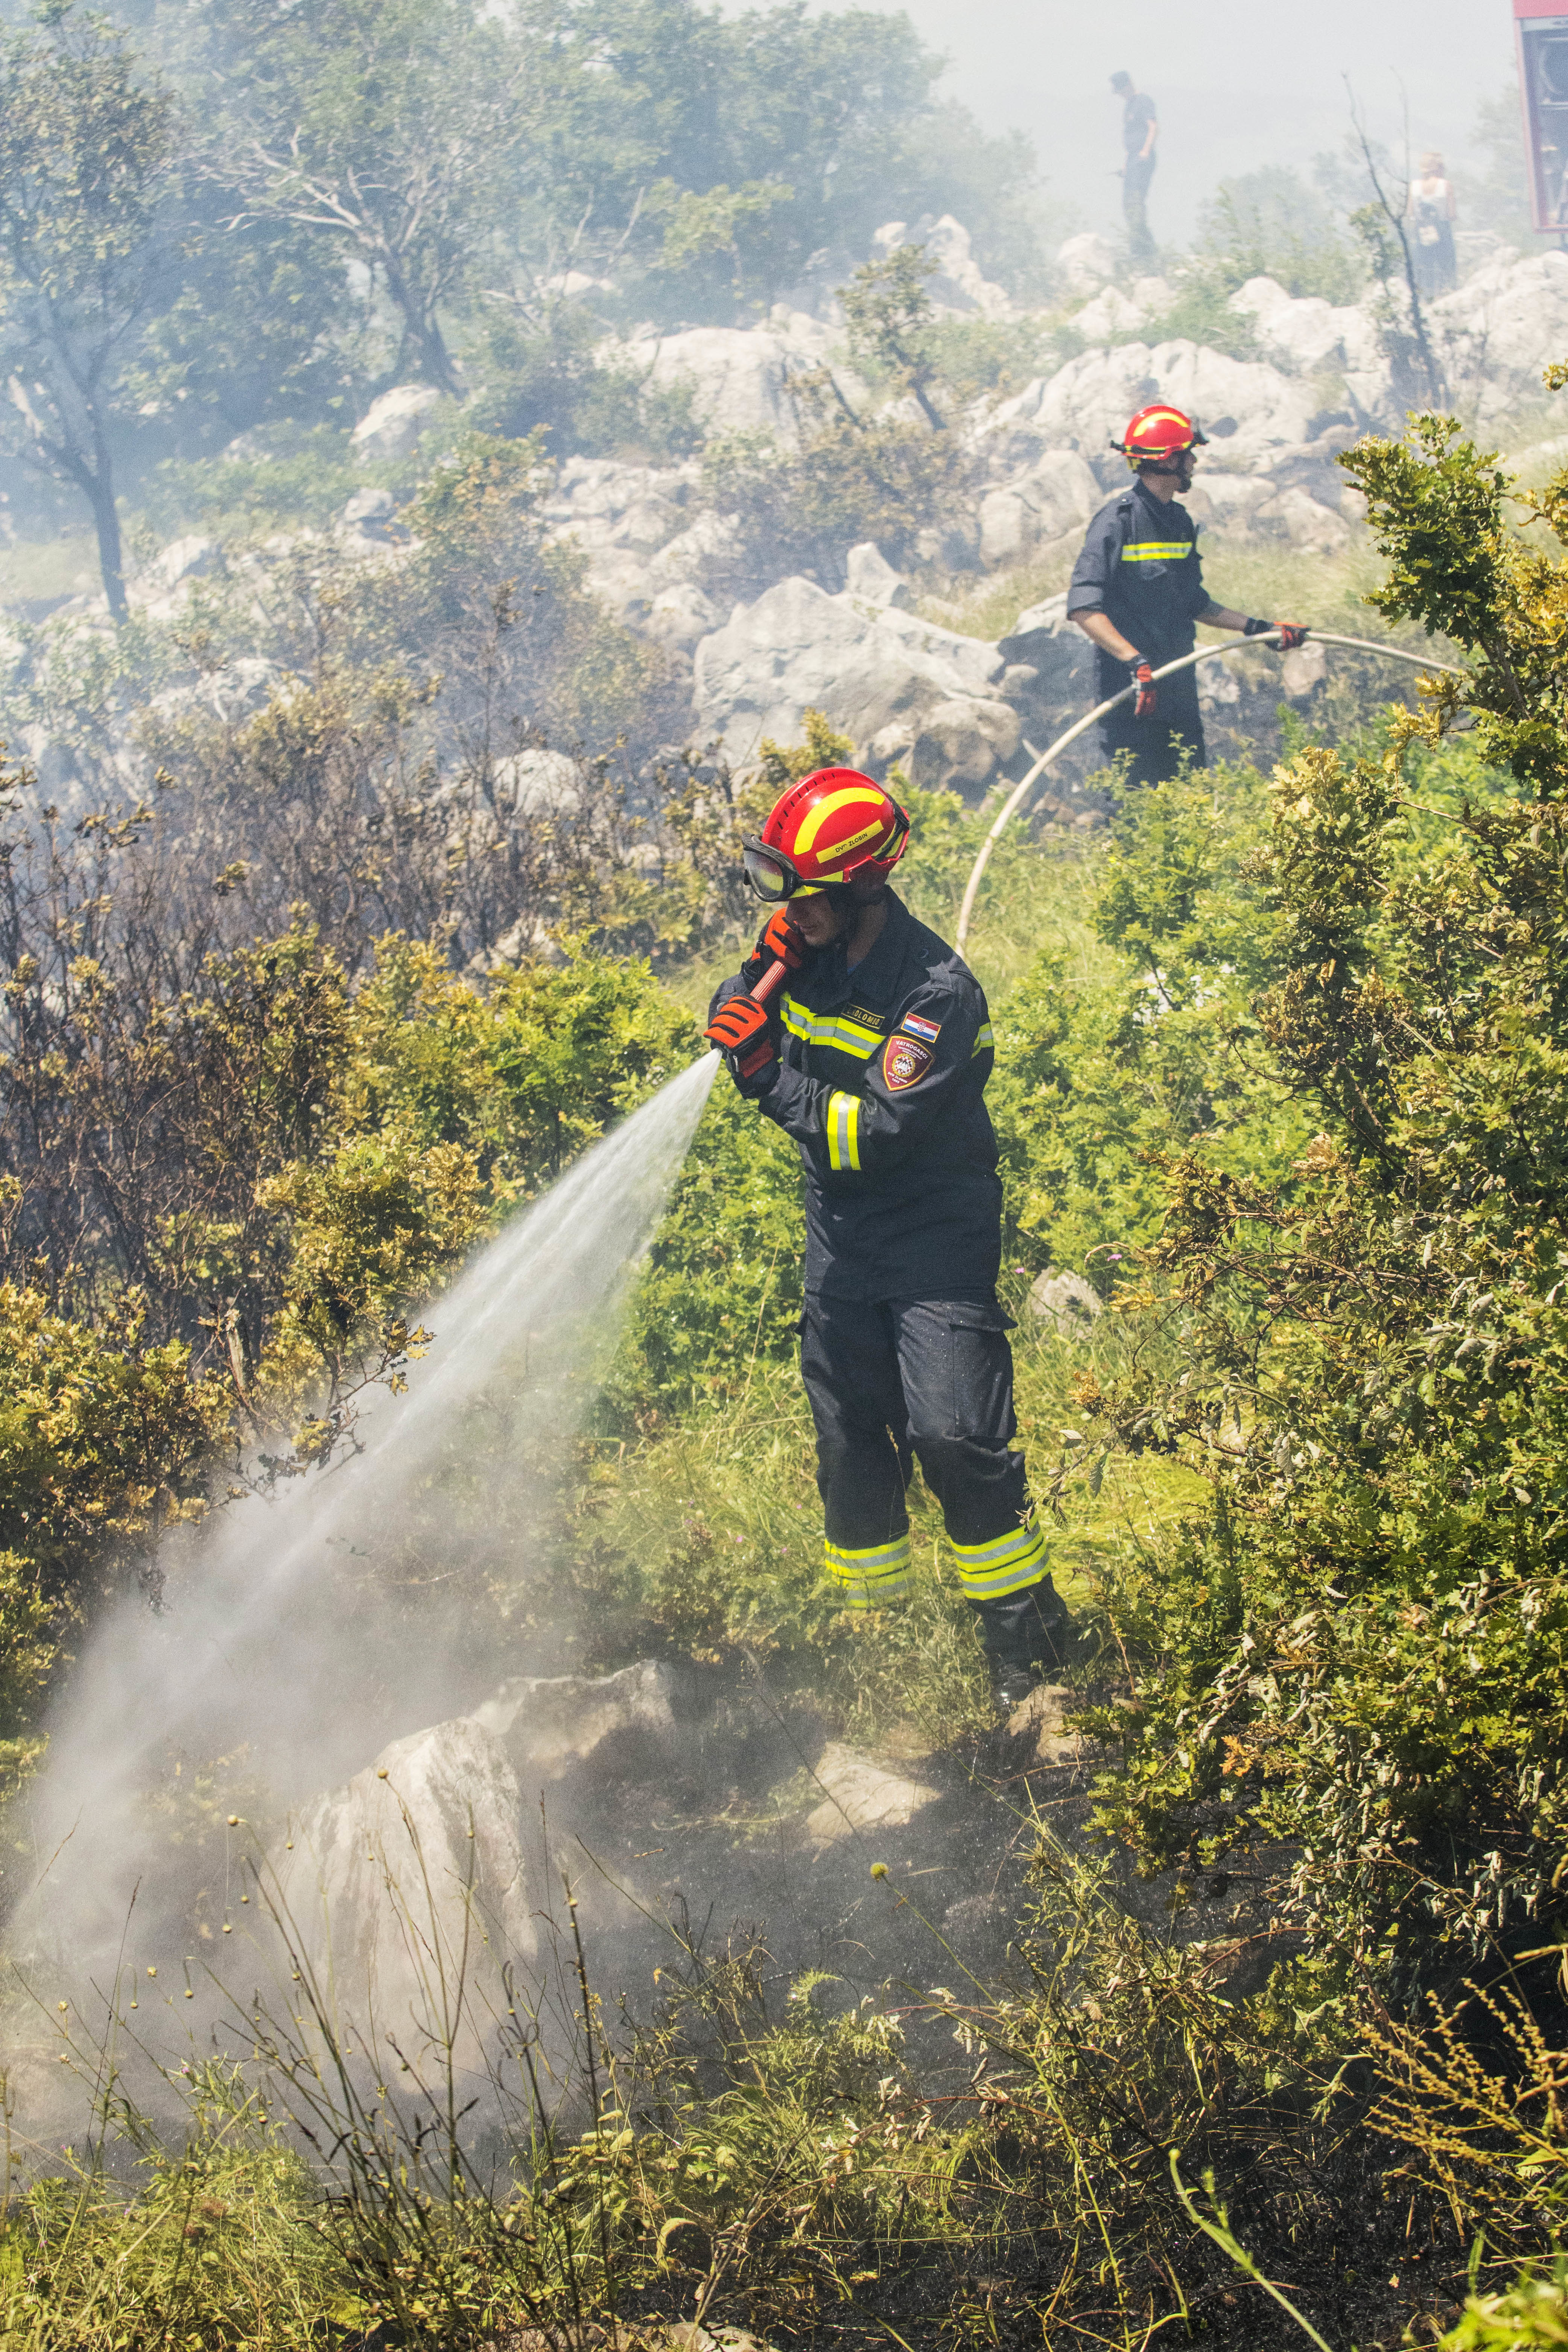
(904,1061)
(917,1023)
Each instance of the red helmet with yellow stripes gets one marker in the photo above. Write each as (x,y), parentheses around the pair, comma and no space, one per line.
(826,829)
(1157,434)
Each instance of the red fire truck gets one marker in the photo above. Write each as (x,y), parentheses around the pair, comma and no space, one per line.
(1543,87)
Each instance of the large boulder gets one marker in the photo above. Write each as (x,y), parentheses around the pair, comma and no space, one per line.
(1086,263)
(1254,408)
(861,1797)
(1052,499)
(550,1724)
(738,376)
(1055,650)
(875,672)
(234,691)
(1497,333)
(962,742)
(958,287)
(404,1893)
(1328,341)
(392,426)
(868,574)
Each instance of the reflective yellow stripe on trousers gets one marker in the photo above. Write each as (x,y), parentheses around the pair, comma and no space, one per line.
(867,1578)
(1006,1564)
(842,1121)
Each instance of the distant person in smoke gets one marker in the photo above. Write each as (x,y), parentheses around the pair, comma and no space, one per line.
(1429,213)
(1140,136)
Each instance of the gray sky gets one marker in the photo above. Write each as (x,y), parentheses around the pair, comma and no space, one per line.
(1238,86)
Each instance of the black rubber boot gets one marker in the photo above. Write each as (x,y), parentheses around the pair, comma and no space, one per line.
(1024,1638)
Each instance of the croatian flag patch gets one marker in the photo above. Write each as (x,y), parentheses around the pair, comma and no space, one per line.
(920,1026)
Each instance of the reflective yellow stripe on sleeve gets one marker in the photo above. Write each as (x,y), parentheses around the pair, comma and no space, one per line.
(842,1121)
(985,1040)
(1157,550)
(837,1030)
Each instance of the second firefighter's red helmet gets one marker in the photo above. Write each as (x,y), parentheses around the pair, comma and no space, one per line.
(1157,434)
(829,828)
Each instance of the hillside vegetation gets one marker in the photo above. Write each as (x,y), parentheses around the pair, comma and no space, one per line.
(1283,1078)
(362,863)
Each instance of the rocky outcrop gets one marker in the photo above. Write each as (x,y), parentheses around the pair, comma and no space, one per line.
(738,377)
(548,1725)
(1066,1302)
(392,425)
(1052,497)
(860,1796)
(958,287)
(403,1895)
(878,675)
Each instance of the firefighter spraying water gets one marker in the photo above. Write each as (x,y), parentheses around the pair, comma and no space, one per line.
(1137,591)
(867,1039)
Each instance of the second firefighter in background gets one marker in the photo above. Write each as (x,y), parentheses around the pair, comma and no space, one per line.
(874,1059)
(1136,592)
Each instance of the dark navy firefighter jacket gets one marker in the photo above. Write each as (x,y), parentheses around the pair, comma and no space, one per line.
(881,1086)
(1140,566)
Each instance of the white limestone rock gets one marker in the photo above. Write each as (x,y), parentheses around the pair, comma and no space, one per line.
(1498,331)
(1043,639)
(738,376)
(1050,499)
(1316,339)
(1260,411)
(233,693)
(680,618)
(874,672)
(192,557)
(1110,315)
(868,575)
(962,743)
(1064,1300)
(412,1872)
(550,1724)
(861,1796)
(1315,529)
(1087,263)
(539,783)
(393,425)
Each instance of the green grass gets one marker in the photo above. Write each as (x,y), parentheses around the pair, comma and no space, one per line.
(34,571)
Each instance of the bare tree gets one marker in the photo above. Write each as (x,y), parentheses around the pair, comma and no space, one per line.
(385,125)
(86,155)
(1394,215)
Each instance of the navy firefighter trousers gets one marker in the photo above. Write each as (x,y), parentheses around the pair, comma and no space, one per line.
(898,1378)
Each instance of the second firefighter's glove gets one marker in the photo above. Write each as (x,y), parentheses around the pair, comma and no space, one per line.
(777,942)
(743,1032)
(1291,634)
(1144,679)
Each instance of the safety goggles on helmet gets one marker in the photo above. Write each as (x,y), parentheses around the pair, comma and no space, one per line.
(773,877)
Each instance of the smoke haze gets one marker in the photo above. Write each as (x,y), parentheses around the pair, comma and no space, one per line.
(1237,86)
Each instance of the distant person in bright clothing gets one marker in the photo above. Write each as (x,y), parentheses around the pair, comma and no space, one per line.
(1140,136)
(1430,213)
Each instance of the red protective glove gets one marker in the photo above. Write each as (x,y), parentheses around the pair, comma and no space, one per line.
(743,1032)
(1144,679)
(777,942)
(781,943)
(1290,635)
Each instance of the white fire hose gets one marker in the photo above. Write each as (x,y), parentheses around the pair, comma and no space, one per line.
(1206,653)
